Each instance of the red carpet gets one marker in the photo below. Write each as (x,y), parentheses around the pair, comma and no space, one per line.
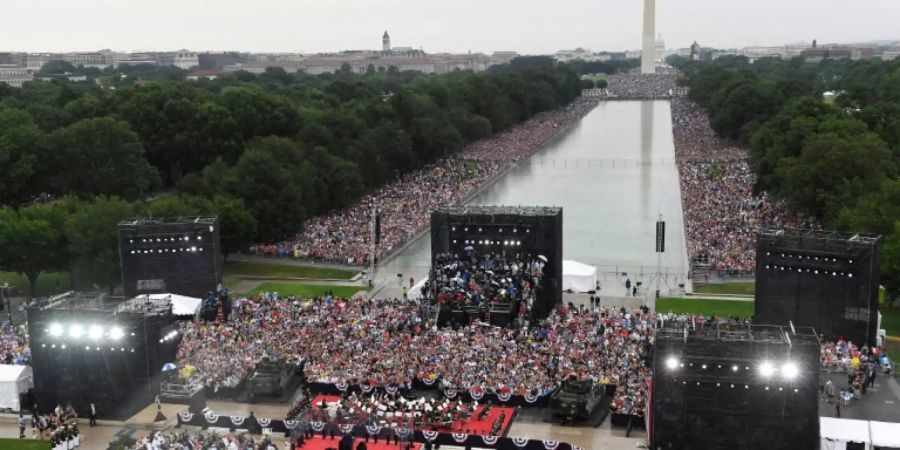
(479,427)
(317,443)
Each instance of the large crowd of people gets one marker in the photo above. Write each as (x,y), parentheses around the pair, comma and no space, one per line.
(384,343)
(641,86)
(14,347)
(344,236)
(721,212)
(481,279)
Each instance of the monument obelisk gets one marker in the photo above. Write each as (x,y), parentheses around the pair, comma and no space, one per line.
(648,56)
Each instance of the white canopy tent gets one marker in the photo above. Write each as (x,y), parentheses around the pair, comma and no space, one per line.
(835,434)
(416,292)
(579,277)
(181,305)
(14,380)
(885,434)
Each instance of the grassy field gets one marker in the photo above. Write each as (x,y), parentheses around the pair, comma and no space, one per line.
(890,320)
(47,283)
(265,269)
(308,290)
(23,444)
(726,288)
(705,306)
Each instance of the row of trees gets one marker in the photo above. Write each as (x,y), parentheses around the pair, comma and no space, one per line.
(288,145)
(838,160)
(80,237)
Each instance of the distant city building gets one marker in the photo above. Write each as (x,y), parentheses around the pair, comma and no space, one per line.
(15,75)
(212,60)
(182,59)
(890,53)
(101,60)
(361,61)
(819,54)
(12,59)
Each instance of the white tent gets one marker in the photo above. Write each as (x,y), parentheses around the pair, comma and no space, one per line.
(181,305)
(836,433)
(885,434)
(14,380)
(579,277)
(416,292)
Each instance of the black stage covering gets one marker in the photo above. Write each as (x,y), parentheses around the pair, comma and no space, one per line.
(287,426)
(88,348)
(178,255)
(735,387)
(493,229)
(819,279)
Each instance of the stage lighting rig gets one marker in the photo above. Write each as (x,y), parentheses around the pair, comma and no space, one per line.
(790,370)
(55,330)
(671,363)
(766,369)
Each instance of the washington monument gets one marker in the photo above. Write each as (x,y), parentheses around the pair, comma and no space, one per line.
(648,56)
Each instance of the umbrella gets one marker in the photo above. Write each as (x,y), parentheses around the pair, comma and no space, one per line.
(542,258)
(469,248)
(168,366)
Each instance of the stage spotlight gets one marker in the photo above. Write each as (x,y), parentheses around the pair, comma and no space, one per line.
(790,370)
(766,369)
(116,333)
(75,331)
(671,363)
(56,329)
(734,368)
(95,332)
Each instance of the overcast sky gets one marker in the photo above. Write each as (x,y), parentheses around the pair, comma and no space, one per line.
(526,26)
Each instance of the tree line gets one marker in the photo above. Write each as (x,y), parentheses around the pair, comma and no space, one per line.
(288,145)
(835,158)
(264,151)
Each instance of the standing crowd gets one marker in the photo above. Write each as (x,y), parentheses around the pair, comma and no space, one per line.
(14,347)
(384,343)
(405,206)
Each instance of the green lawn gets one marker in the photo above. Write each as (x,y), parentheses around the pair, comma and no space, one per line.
(890,320)
(46,283)
(726,288)
(265,269)
(23,444)
(308,290)
(230,282)
(705,306)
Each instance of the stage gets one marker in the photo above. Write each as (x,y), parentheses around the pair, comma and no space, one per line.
(478,427)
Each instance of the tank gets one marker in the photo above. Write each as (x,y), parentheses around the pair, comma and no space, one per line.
(577,399)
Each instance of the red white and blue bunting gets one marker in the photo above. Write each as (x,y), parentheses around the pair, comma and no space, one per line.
(430,435)
(551,445)
(460,437)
